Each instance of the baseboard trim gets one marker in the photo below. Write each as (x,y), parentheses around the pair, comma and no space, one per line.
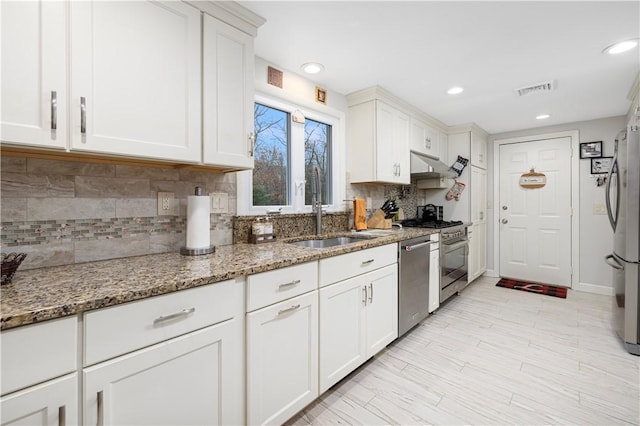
(491,273)
(594,288)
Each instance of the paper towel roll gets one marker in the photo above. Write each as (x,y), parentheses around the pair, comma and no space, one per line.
(198,222)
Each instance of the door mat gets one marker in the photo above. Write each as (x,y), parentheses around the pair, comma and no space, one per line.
(546,289)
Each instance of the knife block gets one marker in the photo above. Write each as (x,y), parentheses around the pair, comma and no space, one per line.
(377,221)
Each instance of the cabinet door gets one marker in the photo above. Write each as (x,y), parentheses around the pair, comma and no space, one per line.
(392,145)
(472,259)
(342,330)
(434,280)
(34,73)
(227,95)
(478,151)
(282,359)
(400,145)
(135,86)
(183,381)
(481,236)
(382,308)
(478,190)
(51,403)
(418,141)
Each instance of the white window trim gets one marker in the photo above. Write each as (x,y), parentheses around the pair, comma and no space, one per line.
(330,116)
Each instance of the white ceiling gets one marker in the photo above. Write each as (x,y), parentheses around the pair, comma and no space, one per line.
(419,49)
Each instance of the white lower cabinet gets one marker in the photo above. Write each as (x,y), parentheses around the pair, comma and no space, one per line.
(358,318)
(51,403)
(185,380)
(282,359)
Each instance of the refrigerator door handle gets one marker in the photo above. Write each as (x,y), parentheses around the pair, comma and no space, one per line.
(610,259)
(614,166)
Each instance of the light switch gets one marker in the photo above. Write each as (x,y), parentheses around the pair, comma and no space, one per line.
(219,202)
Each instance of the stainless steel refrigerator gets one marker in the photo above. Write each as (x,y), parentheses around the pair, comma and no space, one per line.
(623,208)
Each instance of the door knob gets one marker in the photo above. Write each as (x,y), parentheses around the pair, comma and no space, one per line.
(504,207)
(505,221)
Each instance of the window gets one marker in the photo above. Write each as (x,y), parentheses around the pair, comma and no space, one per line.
(285,153)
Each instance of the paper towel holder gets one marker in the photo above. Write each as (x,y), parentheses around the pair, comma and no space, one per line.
(197,251)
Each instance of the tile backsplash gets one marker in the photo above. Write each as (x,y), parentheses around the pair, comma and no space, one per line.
(63,212)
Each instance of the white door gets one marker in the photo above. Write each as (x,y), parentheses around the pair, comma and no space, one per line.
(382,308)
(51,403)
(342,330)
(227,95)
(136,79)
(183,381)
(535,224)
(34,73)
(282,359)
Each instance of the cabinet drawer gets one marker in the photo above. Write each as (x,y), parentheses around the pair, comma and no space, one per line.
(120,329)
(270,287)
(348,265)
(38,352)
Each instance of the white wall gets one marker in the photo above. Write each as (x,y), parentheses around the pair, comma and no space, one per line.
(596,236)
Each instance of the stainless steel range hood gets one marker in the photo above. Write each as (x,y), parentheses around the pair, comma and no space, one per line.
(425,167)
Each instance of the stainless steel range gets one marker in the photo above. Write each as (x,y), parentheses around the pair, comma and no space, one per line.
(454,251)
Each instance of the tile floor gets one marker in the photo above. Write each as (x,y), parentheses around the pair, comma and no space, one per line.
(494,356)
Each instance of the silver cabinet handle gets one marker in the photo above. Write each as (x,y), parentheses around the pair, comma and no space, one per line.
(182,313)
(616,265)
(366,262)
(370,293)
(100,409)
(62,415)
(293,308)
(54,110)
(419,245)
(364,295)
(505,221)
(252,142)
(481,215)
(83,115)
(294,282)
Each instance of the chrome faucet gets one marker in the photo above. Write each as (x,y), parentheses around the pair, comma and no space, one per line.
(316,197)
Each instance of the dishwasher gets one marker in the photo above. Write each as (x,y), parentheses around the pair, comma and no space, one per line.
(414,261)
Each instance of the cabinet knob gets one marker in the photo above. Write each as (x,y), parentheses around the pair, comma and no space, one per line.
(504,221)
(504,207)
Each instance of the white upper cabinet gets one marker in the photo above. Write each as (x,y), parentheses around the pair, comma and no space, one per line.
(227,84)
(135,79)
(378,138)
(425,139)
(478,150)
(34,73)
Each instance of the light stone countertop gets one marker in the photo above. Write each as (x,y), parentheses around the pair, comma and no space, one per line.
(47,293)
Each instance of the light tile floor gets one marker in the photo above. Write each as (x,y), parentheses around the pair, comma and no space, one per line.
(494,356)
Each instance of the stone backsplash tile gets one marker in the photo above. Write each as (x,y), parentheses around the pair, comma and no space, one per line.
(151,173)
(70,208)
(92,250)
(13,164)
(181,189)
(100,187)
(19,185)
(69,168)
(145,207)
(292,225)
(50,253)
(13,209)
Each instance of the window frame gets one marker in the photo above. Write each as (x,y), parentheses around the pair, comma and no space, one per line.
(330,116)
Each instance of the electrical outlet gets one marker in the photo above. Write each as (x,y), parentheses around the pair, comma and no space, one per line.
(166,203)
(219,202)
(599,209)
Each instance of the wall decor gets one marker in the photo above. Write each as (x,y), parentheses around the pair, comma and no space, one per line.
(533,179)
(591,149)
(274,77)
(601,165)
(321,95)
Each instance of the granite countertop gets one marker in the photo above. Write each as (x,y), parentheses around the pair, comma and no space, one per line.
(48,293)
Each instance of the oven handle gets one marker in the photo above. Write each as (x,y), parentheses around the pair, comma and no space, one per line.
(419,245)
(450,247)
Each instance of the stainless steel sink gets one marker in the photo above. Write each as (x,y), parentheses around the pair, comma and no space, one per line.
(329,242)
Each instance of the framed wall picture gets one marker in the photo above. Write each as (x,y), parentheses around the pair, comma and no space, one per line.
(591,149)
(321,95)
(601,165)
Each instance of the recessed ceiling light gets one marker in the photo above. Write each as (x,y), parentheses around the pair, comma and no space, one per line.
(455,90)
(542,116)
(312,67)
(620,47)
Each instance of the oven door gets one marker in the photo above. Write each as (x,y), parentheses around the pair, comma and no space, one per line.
(453,264)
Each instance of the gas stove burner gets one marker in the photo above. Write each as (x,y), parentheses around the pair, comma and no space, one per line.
(438,224)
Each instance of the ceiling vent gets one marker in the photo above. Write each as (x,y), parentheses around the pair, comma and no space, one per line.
(545,87)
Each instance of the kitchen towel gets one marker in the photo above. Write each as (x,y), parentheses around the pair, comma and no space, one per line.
(359,214)
(198,221)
